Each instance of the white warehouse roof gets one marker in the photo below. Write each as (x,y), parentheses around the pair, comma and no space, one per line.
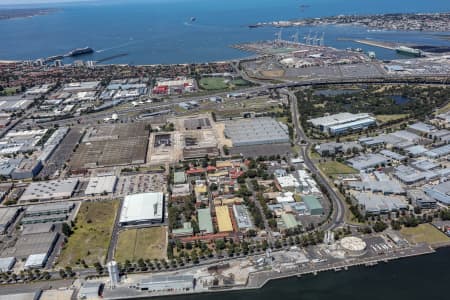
(142,208)
(98,185)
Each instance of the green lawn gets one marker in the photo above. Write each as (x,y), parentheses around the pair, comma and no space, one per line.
(220,83)
(145,243)
(213,83)
(424,233)
(444,109)
(331,168)
(92,234)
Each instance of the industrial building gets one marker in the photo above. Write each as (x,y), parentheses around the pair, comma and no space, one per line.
(49,190)
(14,104)
(224,219)
(161,283)
(27,168)
(76,87)
(375,204)
(440,192)
(47,213)
(101,185)
(313,204)
(353,246)
(366,161)
(420,199)
(205,221)
(30,244)
(145,208)
(343,122)
(8,215)
(6,264)
(242,217)
(256,131)
(36,261)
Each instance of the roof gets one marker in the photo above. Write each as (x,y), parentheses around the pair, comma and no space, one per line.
(179,177)
(422,127)
(205,220)
(159,282)
(340,118)
(256,132)
(289,220)
(142,207)
(362,162)
(36,260)
(101,184)
(43,190)
(223,219)
(90,289)
(6,263)
(242,217)
(21,296)
(312,202)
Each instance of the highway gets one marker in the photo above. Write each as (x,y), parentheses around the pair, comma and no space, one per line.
(338,207)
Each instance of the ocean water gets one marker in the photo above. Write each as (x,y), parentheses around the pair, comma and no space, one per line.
(417,278)
(160,31)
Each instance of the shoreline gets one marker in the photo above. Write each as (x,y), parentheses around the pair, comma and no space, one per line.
(259,279)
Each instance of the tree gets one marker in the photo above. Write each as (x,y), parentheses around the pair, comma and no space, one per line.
(379,226)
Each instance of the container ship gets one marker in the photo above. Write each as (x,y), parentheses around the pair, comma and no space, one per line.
(80,51)
(409,51)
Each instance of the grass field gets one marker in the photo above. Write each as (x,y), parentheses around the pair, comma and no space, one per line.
(92,234)
(424,233)
(388,118)
(144,243)
(331,168)
(220,83)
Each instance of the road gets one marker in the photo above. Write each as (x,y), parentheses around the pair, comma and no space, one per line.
(338,207)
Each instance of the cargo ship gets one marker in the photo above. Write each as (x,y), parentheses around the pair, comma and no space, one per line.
(409,51)
(80,51)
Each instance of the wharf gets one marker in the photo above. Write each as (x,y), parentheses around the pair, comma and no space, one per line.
(379,44)
(259,279)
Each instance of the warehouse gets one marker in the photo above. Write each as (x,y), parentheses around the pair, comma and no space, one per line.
(242,217)
(257,131)
(29,244)
(313,205)
(145,208)
(224,219)
(101,185)
(342,123)
(420,199)
(91,290)
(161,283)
(76,87)
(7,217)
(367,161)
(49,209)
(28,168)
(36,261)
(440,192)
(375,204)
(14,104)
(6,264)
(49,190)
(205,221)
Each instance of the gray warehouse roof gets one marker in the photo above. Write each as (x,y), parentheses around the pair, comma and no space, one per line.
(56,189)
(242,217)
(367,161)
(256,132)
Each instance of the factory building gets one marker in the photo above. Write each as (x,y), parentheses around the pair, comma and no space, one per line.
(49,190)
(8,216)
(90,290)
(6,264)
(420,199)
(101,185)
(313,204)
(14,104)
(161,283)
(205,221)
(375,204)
(242,217)
(145,208)
(343,122)
(366,161)
(440,192)
(258,131)
(28,168)
(224,219)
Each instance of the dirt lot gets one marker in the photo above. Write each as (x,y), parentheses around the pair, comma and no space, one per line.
(144,243)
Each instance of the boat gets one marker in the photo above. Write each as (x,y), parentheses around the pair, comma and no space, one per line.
(80,51)
(254,26)
(408,51)
(193,19)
